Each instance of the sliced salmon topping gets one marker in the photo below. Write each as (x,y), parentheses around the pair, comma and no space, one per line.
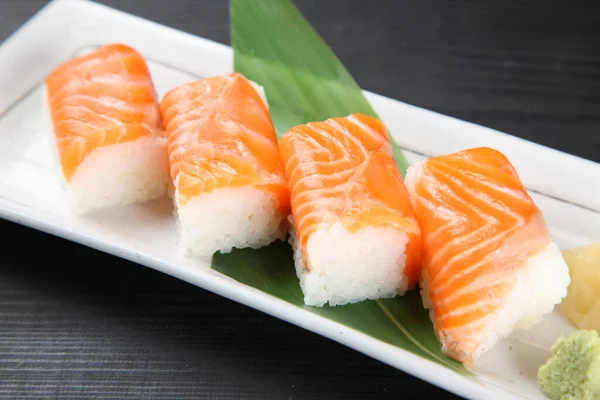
(220,135)
(479,226)
(343,170)
(100,99)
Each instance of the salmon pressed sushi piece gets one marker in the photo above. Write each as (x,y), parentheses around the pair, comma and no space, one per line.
(228,184)
(354,233)
(107,131)
(489,263)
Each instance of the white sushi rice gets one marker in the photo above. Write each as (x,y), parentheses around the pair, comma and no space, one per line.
(229,217)
(539,286)
(120,174)
(341,267)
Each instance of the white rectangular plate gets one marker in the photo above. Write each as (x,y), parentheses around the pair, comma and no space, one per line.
(565,187)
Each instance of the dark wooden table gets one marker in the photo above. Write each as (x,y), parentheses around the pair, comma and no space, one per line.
(69,331)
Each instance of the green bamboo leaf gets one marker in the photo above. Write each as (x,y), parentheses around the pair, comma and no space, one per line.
(401,321)
(275,46)
(304,81)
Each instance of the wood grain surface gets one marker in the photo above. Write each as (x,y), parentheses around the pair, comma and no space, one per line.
(69,330)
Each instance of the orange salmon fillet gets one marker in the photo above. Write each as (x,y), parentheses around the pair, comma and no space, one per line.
(479,227)
(220,135)
(100,99)
(342,170)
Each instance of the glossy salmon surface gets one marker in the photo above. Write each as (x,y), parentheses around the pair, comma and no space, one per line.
(99,99)
(342,170)
(220,135)
(479,227)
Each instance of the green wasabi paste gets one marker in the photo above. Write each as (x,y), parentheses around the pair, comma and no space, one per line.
(573,370)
